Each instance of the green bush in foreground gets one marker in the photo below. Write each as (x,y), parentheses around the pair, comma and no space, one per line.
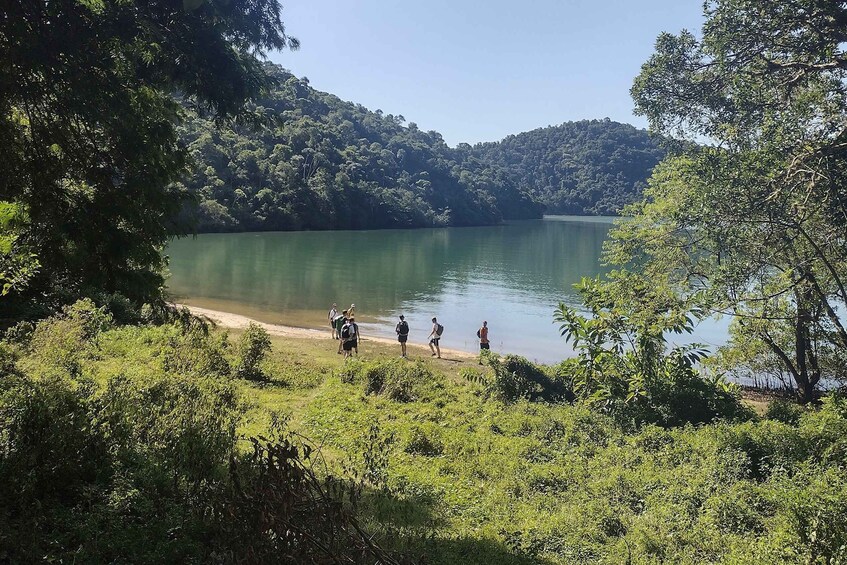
(122,460)
(514,377)
(145,466)
(624,365)
(396,379)
(252,347)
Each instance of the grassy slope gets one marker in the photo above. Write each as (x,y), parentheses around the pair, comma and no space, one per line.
(471,480)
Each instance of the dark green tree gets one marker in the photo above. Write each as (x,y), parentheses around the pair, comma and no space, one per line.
(88,126)
(753,220)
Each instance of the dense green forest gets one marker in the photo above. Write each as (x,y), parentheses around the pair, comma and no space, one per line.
(318,162)
(321,163)
(590,167)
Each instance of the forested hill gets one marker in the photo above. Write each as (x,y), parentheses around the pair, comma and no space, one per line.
(591,167)
(331,164)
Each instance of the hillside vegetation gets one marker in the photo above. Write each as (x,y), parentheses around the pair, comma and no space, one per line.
(589,167)
(321,163)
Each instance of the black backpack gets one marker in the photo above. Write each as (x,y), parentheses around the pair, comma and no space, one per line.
(345,331)
(439,330)
(404,328)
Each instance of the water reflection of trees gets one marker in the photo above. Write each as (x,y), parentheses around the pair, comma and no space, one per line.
(306,270)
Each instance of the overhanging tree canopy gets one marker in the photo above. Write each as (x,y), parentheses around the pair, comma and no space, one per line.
(87,124)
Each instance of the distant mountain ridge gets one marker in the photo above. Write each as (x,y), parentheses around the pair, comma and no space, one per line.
(329,164)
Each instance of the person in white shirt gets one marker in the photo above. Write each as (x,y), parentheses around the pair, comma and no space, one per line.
(434,336)
(333,314)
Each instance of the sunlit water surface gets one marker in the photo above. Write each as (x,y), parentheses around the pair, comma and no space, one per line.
(513,275)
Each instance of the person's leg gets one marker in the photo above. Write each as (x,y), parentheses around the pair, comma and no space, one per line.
(438,349)
(431,348)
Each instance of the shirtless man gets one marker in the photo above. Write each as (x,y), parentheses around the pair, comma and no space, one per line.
(482,334)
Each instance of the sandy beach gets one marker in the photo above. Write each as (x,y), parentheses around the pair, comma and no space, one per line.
(237,321)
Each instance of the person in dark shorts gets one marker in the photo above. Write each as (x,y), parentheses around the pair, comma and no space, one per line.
(355,333)
(332,315)
(350,337)
(402,330)
(482,334)
(434,336)
(340,320)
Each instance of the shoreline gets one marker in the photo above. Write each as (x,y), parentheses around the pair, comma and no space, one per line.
(757,398)
(238,321)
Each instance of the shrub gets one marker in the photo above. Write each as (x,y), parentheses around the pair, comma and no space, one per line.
(8,358)
(121,308)
(20,333)
(351,371)
(813,504)
(784,411)
(252,347)
(374,448)
(63,340)
(515,377)
(120,475)
(422,442)
(184,427)
(623,366)
(395,378)
(677,394)
(275,509)
(47,448)
(192,351)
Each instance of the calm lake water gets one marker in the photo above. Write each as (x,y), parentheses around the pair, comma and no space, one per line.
(513,275)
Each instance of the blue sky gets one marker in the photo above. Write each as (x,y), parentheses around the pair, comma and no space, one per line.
(478,71)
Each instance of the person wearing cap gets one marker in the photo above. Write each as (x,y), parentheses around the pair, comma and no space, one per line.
(402,330)
(333,314)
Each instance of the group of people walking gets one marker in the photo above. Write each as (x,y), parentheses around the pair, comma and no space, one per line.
(346,331)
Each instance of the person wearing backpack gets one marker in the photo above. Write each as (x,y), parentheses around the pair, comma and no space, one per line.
(402,330)
(350,338)
(434,336)
(355,334)
(340,320)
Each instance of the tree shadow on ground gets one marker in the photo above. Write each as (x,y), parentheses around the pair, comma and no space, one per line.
(413,527)
(469,551)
